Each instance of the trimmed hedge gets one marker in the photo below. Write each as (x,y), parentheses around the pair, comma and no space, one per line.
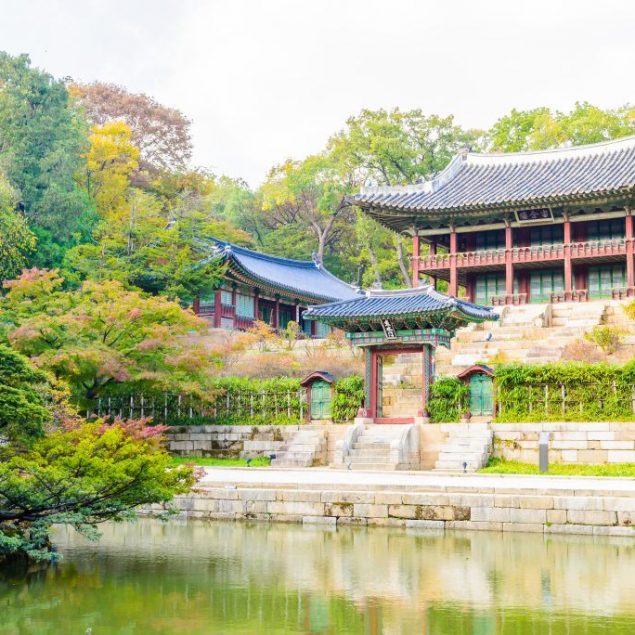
(349,396)
(449,399)
(572,391)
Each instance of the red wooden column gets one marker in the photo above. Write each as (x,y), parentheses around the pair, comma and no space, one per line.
(454,285)
(276,314)
(509,265)
(432,251)
(256,304)
(630,271)
(415,261)
(218,308)
(568,269)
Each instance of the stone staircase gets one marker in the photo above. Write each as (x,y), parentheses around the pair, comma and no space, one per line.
(533,333)
(467,448)
(379,447)
(307,448)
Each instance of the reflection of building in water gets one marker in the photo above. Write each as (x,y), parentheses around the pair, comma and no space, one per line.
(398,580)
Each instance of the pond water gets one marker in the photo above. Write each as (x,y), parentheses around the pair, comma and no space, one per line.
(197,578)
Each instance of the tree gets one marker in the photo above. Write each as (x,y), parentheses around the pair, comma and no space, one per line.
(395,147)
(543,129)
(82,475)
(103,335)
(17,242)
(162,134)
(41,143)
(110,161)
(24,393)
(306,195)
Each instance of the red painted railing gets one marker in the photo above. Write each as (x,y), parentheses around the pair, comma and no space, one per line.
(598,248)
(541,253)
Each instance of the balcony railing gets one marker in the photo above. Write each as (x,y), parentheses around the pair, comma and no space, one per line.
(534,253)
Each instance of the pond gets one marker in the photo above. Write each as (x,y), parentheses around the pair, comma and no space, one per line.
(198,578)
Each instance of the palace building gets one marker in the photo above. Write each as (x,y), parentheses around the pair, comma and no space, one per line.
(550,226)
(271,289)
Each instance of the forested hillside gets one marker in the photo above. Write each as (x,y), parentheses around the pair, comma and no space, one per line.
(98,182)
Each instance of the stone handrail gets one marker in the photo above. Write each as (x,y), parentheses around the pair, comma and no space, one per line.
(405,445)
(344,446)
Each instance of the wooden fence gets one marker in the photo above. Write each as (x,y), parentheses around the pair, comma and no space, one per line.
(229,407)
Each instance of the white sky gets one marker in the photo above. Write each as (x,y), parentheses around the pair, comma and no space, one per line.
(264,80)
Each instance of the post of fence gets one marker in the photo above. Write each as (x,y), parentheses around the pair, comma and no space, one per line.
(301,400)
(546,398)
(288,404)
(563,395)
(633,398)
(251,404)
(165,406)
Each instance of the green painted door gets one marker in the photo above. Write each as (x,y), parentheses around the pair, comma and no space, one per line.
(320,400)
(605,278)
(545,282)
(481,395)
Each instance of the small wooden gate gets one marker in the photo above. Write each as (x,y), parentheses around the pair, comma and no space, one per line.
(481,395)
(319,387)
(320,400)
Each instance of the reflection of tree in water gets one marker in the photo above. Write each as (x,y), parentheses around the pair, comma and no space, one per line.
(234,578)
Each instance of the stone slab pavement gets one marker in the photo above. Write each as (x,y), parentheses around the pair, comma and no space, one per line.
(316,478)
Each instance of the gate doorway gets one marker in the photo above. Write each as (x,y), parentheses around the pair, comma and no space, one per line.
(481,395)
(480,381)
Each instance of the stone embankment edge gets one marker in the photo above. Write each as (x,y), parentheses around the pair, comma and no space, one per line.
(493,509)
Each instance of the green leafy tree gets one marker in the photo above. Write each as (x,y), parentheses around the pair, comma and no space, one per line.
(543,129)
(24,393)
(82,476)
(42,139)
(17,241)
(306,195)
(103,335)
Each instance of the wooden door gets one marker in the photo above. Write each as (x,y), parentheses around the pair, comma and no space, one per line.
(481,395)
(320,400)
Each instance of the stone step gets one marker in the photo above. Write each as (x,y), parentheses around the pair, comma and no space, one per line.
(371,445)
(369,453)
(375,466)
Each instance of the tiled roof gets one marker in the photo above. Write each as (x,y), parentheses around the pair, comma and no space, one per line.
(303,278)
(402,303)
(474,182)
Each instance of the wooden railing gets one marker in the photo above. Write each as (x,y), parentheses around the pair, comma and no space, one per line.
(535,253)
(598,248)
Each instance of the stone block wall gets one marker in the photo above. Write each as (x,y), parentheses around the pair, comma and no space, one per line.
(493,509)
(568,442)
(240,441)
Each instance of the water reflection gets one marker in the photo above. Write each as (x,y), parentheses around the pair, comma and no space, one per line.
(200,578)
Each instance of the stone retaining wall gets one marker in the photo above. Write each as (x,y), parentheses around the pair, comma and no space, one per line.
(240,441)
(568,442)
(499,509)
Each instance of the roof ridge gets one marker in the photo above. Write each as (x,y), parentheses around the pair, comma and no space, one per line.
(429,186)
(309,264)
(551,153)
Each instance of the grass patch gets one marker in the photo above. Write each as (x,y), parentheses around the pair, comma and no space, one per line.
(502,466)
(261,461)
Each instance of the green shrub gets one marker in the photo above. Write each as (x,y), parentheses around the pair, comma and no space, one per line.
(449,399)
(607,338)
(571,391)
(349,396)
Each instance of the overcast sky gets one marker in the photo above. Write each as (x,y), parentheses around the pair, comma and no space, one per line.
(264,80)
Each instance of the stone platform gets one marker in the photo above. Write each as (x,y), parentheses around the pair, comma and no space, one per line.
(543,504)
